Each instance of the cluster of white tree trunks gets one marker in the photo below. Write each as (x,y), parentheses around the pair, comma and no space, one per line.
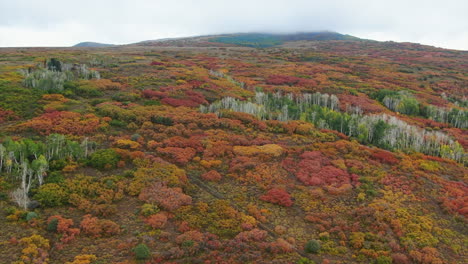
(264,105)
(399,135)
(45,79)
(27,162)
(455,117)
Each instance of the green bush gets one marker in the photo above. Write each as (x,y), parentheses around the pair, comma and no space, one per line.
(383,260)
(151,102)
(56,165)
(10,210)
(149,209)
(97,101)
(312,246)
(31,215)
(117,123)
(51,194)
(52,225)
(188,243)
(104,159)
(162,120)
(55,177)
(305,261)
(142,252)
(84,89)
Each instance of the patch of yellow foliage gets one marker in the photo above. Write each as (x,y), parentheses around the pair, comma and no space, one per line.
(268,149)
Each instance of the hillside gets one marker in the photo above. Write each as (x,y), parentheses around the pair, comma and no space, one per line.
(207,150)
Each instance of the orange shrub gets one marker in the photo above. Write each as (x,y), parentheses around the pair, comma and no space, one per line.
(212,175)
(64,228)
(157,221)
(168,198)
(95,227)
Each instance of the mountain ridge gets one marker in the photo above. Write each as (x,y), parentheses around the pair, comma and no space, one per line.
(248,39)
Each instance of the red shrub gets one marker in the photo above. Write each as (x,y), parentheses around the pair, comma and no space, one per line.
(179,155)
(315,169)
(252,235)
(241,163)
(7,115)
(157,221)
(98,227)
(400,258)
(282,80)
(366,104)
(156,63)
(426,255)
(179,102)
(278,196)
(180,142)
(281,246)
(385,157)
(168,198)
(195,236)
(212,175)
(64,228)
(196,97)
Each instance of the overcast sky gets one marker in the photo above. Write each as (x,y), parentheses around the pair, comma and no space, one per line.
(64,23)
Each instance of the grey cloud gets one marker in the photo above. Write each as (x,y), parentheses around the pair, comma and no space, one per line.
(63,23)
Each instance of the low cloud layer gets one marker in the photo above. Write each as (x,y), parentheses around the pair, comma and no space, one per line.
(65,23)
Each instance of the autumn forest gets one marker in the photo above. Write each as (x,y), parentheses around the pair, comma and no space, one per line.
(210,150)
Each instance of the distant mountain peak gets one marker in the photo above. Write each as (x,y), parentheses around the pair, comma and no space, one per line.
(249,39)
(262,40)
(89,44)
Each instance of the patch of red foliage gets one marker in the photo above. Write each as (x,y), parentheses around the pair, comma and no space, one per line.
(365,103)
(156,221)
(212,175)
(179,155)
(193,142)
(166,197)
(385,157)
(7,115)
(172,96)
(150,94)
(456,197)
(282,80)
(398,183)
(156,63)
(338,134)
(63,122)
(64,227)
(277,196)
(315,169)
(95,227)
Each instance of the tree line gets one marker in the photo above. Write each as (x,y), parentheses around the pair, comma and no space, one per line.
(382,130)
